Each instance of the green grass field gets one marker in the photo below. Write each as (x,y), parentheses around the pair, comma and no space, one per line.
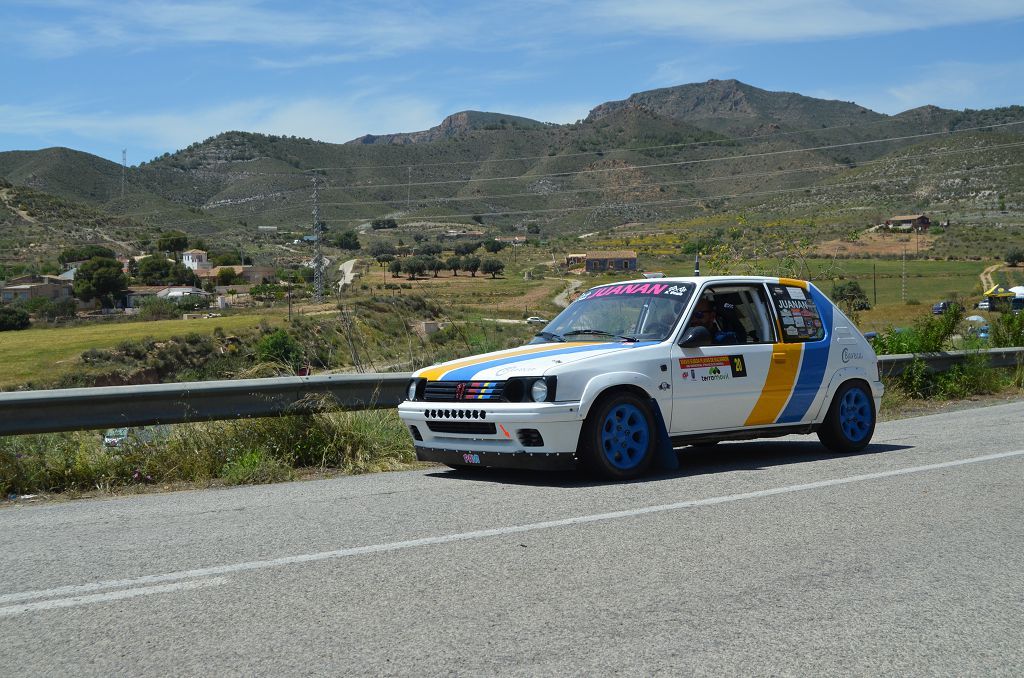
(45,353)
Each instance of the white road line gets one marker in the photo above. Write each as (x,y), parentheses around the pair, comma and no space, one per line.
(75,601)
(481,534)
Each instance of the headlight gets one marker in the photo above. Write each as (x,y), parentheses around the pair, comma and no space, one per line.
(539,391)
(411,395)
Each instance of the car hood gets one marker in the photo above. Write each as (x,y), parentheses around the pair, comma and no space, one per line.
(530,360)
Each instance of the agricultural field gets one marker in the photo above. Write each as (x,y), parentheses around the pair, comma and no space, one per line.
(44,353)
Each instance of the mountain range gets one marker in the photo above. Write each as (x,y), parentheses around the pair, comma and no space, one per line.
(667,154)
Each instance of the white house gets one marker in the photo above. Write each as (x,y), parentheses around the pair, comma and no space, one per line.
(195,259)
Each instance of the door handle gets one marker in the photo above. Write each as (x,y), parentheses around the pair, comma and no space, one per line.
(779,357)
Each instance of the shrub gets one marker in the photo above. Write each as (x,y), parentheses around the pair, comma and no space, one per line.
(156,308)
(13,319)
(1007,330)
(280,347)
(255,467)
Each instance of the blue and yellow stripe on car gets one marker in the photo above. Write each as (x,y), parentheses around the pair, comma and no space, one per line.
(796,371)
(465,370)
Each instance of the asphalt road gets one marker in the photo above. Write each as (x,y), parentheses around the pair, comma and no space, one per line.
(754,558)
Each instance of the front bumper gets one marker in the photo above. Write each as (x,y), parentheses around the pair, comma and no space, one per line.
(508,435)
(543,461)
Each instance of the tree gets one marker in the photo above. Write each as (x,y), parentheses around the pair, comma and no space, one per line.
(172,241)
(226,259)
(493,246)
(153,270)
(850,297)
(348,240)
(1014,256)
(464,248)
(492,266)
(395,267)
(84,253)
(159,271)
(387,222)
(533,228)
(429,249)
(471,264)
(414,266)
(13,319)
(227,276)
(383,252)
(100,278)
(454,263)
(434,264)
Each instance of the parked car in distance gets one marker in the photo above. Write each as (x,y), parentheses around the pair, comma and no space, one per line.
(534,320)
(940,307)
(115,437)
(983,305)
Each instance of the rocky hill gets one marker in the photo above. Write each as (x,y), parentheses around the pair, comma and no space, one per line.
(454,125)
(677,153)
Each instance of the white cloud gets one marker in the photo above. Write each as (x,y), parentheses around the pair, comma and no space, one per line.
(143,24)
(949,84)
(786,20)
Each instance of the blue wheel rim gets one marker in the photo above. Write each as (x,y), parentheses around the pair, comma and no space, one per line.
(625,435)
(855,415)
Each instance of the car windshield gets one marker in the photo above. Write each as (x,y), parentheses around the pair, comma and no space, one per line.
(627,312)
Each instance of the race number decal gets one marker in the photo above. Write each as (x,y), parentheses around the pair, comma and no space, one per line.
(738,367)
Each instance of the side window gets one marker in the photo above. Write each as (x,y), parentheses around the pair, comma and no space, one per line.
(735,314)
(799,319)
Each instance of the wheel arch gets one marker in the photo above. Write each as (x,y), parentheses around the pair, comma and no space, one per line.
(843,376)
(617,382)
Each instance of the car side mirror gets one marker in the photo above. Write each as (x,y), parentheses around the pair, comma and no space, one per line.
(695,336)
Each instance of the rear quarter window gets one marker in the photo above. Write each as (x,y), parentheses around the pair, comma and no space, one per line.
(797,314)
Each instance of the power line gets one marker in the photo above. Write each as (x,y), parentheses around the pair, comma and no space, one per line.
(452,163)
(813,168)
(678,201)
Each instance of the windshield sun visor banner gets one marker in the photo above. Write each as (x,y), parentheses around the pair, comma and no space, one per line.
(651,289)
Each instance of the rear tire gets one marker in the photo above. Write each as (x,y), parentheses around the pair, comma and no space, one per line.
(850,421)
(618,438)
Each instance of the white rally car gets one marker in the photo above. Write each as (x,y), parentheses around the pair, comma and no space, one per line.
(629,368)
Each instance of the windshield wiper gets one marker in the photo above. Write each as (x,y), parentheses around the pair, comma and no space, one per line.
(601,333)
(551,336)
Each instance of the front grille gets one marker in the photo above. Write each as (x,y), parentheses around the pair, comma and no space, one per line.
(449,391)
(468,427)
(455,414)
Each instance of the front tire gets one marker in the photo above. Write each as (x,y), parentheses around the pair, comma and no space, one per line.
(618,438)
(850,421)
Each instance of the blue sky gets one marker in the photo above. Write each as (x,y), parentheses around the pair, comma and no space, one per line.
(152,77)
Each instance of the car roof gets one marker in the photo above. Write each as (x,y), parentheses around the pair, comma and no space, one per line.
(698,280)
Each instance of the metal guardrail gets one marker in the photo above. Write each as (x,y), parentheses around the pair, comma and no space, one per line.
(77,409)
(895,365)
